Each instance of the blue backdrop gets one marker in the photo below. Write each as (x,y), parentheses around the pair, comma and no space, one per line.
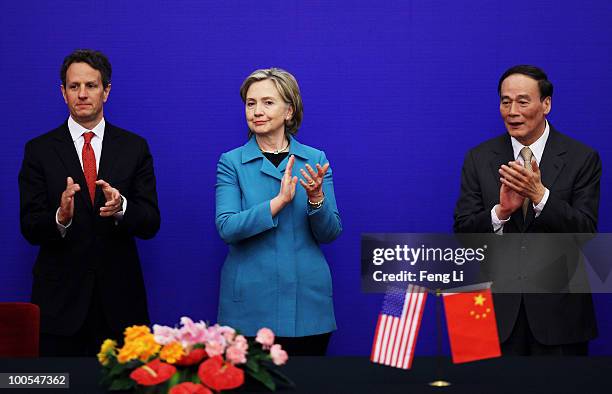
(395,94)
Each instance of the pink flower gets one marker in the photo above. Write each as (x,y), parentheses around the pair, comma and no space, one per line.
(192,333)
(235,355)
(265,336)
(237,350)
(241,343)
(164,334)
(217,333)
(214,349)
(279,356)
(227,332)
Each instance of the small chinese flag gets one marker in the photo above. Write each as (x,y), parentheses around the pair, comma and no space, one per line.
(471,324)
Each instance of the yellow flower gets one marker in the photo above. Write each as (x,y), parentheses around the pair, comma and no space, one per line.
(138,344)
(107,350)
(128,352)
(172,352)
(149,348)
(135,332)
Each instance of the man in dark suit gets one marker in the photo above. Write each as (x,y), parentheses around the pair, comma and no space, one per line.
(87,189)
(533,180)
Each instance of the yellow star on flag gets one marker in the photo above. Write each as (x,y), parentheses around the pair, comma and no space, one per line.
(479,300)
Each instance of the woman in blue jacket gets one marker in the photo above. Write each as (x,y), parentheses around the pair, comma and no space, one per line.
(275,274)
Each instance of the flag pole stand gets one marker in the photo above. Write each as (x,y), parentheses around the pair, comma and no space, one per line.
(439,382)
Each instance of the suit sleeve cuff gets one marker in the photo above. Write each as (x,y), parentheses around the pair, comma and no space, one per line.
(497,223)
(119,215)
(537,209)
(60,227)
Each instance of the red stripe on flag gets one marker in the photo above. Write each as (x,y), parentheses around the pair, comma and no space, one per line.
(385,338)
(381,341)
(409,305)
(391,348)
(376,344)
(422,296)
(395,338)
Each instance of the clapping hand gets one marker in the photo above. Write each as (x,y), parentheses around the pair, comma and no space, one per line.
(313,182)
(287,189)
(66,209)
(114,201)
(527,183)
(509,201)
(288,183)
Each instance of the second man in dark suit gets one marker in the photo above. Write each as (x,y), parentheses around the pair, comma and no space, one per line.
(533,179)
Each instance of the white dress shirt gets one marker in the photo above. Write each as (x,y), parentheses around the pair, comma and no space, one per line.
(76,132)
(537,148)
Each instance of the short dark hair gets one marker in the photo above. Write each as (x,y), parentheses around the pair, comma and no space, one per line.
(96,59)
(533,72)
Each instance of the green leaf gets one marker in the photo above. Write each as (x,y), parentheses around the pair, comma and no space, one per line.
(175,379)
(252,364)
(264,377)
(109,364)
(106,381)
(122,384)
(257,352)
(134,364)
(282,378)
(117,370)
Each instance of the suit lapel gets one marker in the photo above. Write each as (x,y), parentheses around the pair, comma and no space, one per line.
(551,165)
(501,154)
(111,145)
(268,168)
(64,146)
(297,150)
(252,152)
(552,159)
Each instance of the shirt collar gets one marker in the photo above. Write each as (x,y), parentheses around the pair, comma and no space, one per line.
(76,130)
(537,148)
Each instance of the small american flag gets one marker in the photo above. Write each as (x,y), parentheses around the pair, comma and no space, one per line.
(398,326)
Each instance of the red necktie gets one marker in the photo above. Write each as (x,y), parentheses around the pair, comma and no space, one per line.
(89,165)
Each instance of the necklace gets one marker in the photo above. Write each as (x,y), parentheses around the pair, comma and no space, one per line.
(277,151)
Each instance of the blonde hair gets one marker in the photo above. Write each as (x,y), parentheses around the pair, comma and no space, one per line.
(288,89)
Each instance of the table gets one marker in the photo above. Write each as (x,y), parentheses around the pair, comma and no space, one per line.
(320,375)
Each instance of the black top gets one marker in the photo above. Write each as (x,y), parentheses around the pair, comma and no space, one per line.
(275,158)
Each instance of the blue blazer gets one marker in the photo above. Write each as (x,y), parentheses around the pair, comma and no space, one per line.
(275,274)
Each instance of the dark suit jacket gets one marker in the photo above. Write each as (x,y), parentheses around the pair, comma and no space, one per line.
(98,256)
(571,171)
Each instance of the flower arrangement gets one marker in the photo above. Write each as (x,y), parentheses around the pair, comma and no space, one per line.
(194,358)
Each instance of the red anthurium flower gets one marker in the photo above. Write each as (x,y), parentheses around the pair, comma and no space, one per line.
(189,388)
(194,357)
(153,373)
(219,375)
